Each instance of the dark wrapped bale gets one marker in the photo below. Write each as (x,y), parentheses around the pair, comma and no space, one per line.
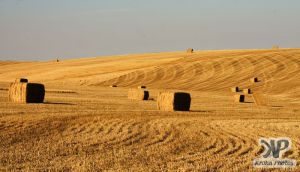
(138,94)
(190,50)
(169,101)
(239,98)
(253,80)
(142,87)
(247,91)
(22,80)
(235,89)
(26,93)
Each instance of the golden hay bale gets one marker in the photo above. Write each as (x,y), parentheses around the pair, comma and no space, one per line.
(17,92)
(253,80)
(239,98)
(26,93)
(190,50)
(247,91)
(142,87)
(170,101)
(113,86)
(138,94)
(235,89)
(21,80)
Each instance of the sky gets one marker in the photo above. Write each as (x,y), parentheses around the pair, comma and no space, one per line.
(50,29)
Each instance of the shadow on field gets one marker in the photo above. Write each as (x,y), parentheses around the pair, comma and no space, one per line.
(277,106)
(203,111)
(248,102)
(57,103)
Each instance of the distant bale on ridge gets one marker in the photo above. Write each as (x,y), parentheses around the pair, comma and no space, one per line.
(113,86)
(190,50)
(141,87)
(247,91)
(138,94)
(23,92)
(239,98)
(21,80)
(178,101)
(235,89)
(254,80)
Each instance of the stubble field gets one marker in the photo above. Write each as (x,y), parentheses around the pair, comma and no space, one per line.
(84,125)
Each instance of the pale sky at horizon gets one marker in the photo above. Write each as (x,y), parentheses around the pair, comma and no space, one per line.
(46,29)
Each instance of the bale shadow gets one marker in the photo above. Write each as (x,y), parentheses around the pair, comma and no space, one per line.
(277,106)
(61,92)
(59,103)
(202,111)
(248,102)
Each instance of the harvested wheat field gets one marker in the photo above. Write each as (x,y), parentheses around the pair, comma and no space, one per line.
(85,125)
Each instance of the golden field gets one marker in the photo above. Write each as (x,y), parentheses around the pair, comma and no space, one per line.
(84,125)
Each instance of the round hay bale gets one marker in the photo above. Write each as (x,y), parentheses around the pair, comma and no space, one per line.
(247,91)
(178,101)
(21,92)
(235,89)
(239,98)
(190,50)
(21,80)
(254,80)
(138,94)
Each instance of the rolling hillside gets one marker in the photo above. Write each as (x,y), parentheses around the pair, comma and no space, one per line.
(202,71)
(84,125)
